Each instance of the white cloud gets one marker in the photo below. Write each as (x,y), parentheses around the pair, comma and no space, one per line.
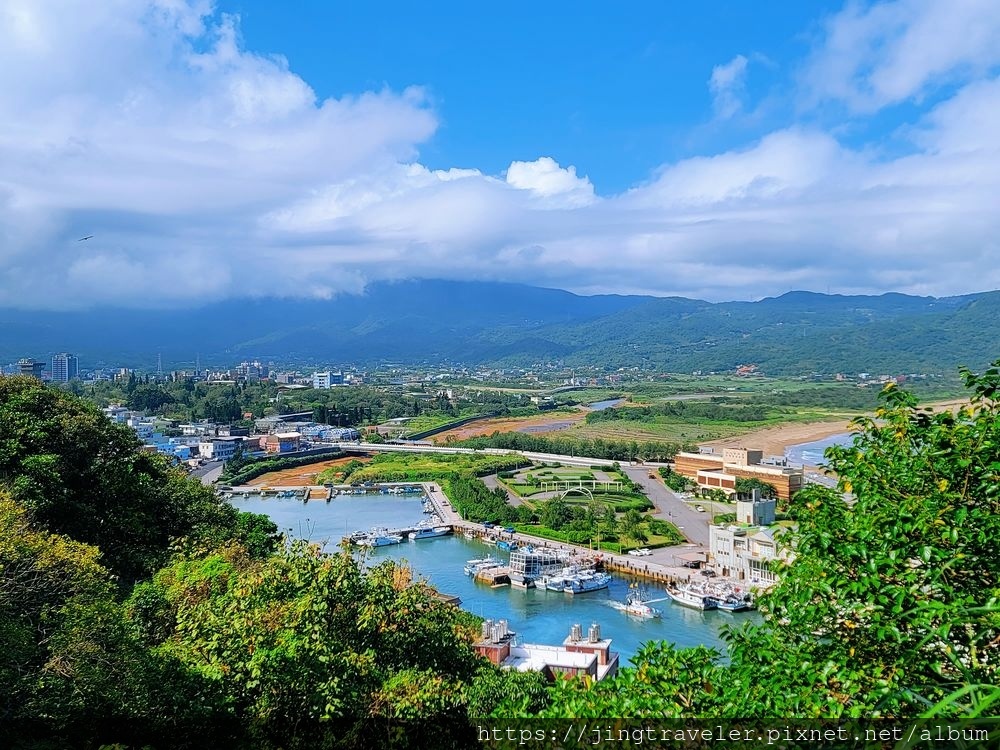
(727,85)
(887,52)
(205,170)
(149,126)
(546,179)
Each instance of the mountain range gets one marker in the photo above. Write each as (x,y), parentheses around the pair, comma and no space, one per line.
(480,323)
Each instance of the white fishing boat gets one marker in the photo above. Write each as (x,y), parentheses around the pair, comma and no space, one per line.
(554,582)
(474,566)
(586,581)
(429,533)
(693,597)
(636,604)
(379,540)
(731,599)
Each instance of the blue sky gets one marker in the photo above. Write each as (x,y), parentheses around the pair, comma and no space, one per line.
(724,150)
(616,89)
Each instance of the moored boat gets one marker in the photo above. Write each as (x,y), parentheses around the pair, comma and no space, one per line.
(692,597)
(474,566)
(379,540)
(587,581)
(429,533)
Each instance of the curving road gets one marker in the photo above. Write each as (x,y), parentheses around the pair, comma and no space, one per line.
(669,507)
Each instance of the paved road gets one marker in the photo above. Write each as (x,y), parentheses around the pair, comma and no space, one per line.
(492,482)
(669,507)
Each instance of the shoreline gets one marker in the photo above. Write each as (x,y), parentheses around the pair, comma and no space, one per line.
(775,440)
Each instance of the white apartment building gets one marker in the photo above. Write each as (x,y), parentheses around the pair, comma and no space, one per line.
(219,449)
(326,380)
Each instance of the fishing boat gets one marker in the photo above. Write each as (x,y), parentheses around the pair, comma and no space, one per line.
(586,582)
(507,545)
(693,597)
(379,540)
(474,566)
(552,582)
(636,604)
(730,599)
(429,533)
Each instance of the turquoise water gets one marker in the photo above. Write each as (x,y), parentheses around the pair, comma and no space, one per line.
(537,616)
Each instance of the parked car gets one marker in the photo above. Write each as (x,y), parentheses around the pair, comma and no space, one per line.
(641,552)
(700,508)
(708,572)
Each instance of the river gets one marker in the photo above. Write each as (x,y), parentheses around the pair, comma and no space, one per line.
(537,616)
(600,405)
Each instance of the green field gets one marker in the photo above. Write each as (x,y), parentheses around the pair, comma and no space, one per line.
(421,467)
(697,429)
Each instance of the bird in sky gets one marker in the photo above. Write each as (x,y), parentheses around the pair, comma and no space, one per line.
(85,238)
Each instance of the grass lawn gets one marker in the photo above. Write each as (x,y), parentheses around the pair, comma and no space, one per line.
(610,545)
(415,467)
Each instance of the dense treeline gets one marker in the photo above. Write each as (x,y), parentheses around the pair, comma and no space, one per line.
(611,450)
(78,474)
(476,502)
(185,399)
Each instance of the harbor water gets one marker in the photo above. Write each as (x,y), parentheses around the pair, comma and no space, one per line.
(536,616)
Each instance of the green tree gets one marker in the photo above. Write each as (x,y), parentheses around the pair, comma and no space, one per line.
(554,513)
(310,647)
(745,488)
(72,667)
(631,528)
(80,475)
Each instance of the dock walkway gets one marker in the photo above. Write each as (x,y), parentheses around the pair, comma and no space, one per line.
(618,563)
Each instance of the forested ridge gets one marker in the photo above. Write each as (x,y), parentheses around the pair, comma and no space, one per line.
(136,608)
(484,323)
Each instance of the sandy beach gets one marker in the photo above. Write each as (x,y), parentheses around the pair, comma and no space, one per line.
(774,440)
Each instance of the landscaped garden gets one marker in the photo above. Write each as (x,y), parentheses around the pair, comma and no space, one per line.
(597,506)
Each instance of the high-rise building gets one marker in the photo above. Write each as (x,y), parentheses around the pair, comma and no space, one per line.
(64,367)
(326,380)
(29,366)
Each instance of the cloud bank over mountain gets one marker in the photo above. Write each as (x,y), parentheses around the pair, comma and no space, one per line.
(206,170)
